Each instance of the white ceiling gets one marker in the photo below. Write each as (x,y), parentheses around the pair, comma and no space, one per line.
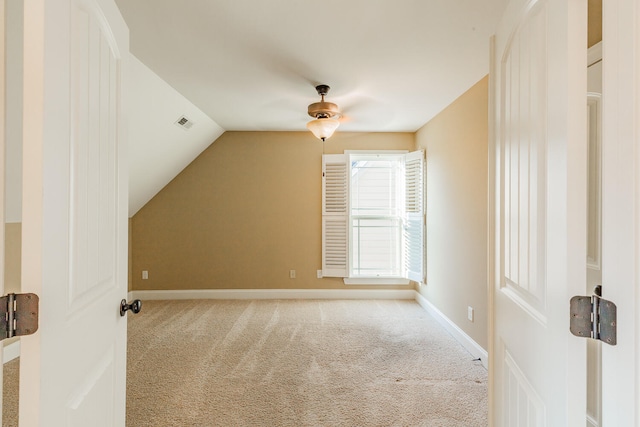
(253,65)
(158,148)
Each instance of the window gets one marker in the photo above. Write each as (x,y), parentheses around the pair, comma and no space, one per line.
(373,215)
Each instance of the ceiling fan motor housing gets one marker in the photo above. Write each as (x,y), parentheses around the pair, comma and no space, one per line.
(323,109)
(322,89)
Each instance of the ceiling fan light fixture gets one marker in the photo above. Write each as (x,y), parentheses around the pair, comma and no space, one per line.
(325,114)
(323,127)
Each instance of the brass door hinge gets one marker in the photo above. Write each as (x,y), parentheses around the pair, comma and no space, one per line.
(594,317)
(18,315)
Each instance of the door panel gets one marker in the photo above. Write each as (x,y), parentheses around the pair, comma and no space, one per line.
(539,157)
(94,98)
(523,117)
(75,213)
(523,406)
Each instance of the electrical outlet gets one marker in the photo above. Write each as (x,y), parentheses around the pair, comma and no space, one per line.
(145,274)
(292,274)
(470,313)
(319,274)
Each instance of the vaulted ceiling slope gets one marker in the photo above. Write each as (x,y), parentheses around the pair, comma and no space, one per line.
(158,148)
(253,65)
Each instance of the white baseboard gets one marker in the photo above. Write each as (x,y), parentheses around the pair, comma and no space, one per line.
(472,347)
(11,351)
(275,294)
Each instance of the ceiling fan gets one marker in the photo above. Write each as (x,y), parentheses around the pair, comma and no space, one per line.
(325,114)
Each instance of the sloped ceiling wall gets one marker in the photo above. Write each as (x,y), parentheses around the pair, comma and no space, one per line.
(158,148)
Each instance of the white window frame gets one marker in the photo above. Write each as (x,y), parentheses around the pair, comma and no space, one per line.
(337,225)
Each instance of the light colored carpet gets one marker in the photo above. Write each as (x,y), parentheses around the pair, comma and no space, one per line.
(298,363)
(11,375)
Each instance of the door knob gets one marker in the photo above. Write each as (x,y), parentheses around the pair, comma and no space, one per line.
(135,306)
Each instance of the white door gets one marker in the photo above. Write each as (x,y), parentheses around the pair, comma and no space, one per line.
(537,368)
(621,208)
(74,213)
(2,168)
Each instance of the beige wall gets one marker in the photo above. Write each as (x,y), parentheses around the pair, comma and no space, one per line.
(594,22)
(243,214)
(456,146)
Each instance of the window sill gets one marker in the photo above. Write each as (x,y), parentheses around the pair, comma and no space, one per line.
(375,281)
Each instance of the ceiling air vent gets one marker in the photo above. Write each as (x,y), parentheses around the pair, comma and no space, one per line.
(184,123)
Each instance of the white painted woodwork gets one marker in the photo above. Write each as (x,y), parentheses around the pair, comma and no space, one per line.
(594,225)
(3,105)
(621,208)
(524,145)
(13,114)
(537,369)
(414,228)
(476,350)
(340,196)
(594,202)
(10,352)
(244,294)
(75,213)
(335,215)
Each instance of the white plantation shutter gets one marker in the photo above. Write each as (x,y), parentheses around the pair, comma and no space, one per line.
(335,215)
(414,227)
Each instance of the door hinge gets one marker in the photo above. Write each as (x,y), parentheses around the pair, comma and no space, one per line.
(593,317)
(18,315)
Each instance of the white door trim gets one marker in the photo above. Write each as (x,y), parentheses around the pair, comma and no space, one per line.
(594,54)
(491,222)
(621,208)
(594,239)
(11,351)
(3,97)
